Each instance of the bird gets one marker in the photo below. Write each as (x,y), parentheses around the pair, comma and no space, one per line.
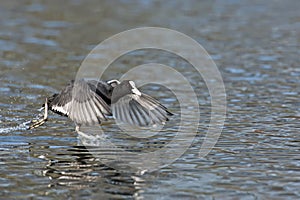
(91,102)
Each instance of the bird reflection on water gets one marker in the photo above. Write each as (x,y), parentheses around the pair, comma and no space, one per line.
(77,169)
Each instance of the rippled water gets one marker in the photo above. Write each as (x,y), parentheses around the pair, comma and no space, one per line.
(256,47)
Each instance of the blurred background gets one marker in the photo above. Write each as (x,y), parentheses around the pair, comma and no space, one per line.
(255,45)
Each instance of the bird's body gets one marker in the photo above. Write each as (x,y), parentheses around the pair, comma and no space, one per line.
(90,102)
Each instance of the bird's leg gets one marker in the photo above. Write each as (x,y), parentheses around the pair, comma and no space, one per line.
(37,123)
(77,128)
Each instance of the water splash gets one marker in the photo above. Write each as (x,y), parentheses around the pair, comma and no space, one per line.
(21,127)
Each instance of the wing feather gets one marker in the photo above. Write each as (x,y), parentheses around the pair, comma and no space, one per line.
(140,110)
(83,102)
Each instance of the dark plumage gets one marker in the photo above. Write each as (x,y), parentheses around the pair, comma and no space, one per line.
(89,102)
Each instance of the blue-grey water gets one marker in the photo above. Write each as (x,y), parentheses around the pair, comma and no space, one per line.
(255,45)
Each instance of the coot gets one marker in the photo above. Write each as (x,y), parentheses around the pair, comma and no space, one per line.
(90,102)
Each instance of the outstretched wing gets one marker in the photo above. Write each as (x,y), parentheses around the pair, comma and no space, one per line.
(140,110)
(81,102)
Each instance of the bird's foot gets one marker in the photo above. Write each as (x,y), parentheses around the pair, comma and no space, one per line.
(38,122)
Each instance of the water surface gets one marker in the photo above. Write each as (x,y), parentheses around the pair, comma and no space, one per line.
(256,47)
